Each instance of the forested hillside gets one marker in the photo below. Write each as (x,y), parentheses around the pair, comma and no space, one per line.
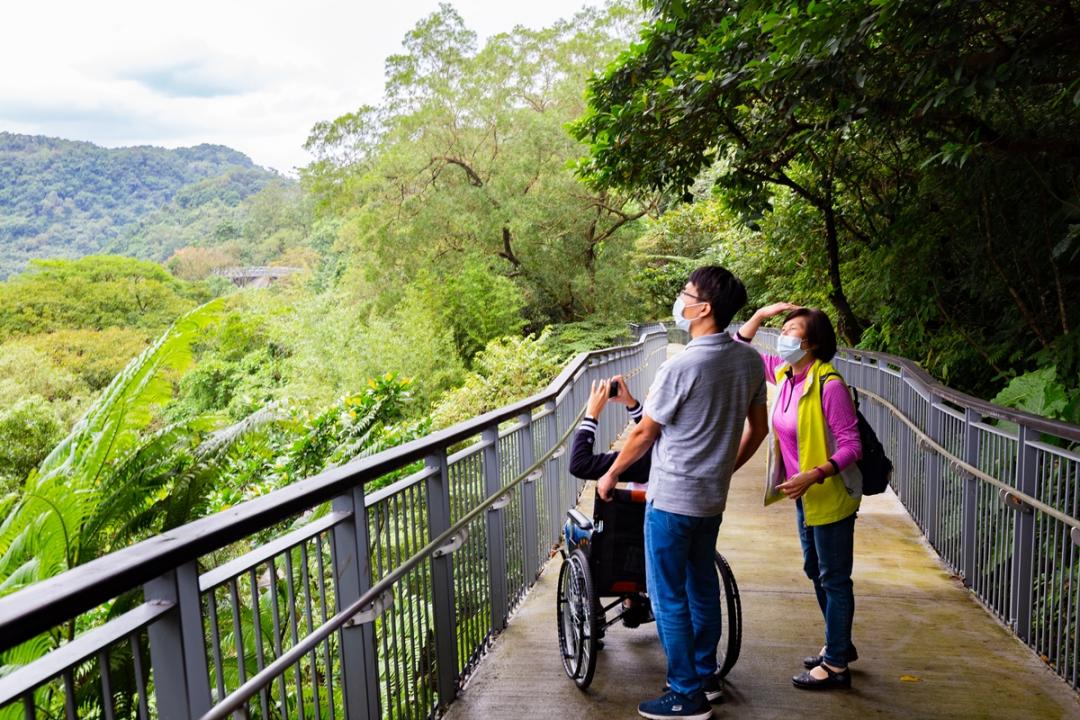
(61,198)
(450,267)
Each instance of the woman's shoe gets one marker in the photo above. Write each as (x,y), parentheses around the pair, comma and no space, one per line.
(832,681)
(813,661)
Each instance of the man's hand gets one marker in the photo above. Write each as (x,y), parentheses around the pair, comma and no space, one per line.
(623,397)
(797,485)
(605,485)
(598,397)
(638,442)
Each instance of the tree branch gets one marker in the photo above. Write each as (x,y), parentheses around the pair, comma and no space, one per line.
(1019,301)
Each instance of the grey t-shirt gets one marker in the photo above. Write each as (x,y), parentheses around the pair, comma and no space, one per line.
(701,398)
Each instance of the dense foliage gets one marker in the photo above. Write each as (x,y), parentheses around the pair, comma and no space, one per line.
(60,198)
(463,167)
(916,162)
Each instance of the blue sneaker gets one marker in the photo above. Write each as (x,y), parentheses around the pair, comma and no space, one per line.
(676,705)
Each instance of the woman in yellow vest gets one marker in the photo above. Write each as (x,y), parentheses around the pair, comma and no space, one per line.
(812,461)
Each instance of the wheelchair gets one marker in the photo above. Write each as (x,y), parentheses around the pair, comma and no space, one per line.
(604,558)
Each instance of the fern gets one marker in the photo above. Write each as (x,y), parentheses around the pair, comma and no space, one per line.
(91,483)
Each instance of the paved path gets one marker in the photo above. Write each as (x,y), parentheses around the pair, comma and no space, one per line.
(927,648)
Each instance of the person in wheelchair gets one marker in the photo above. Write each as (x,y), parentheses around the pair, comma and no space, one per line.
(586,464)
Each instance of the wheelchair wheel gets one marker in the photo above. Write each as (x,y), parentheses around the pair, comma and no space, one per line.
(577,619)
(727,652)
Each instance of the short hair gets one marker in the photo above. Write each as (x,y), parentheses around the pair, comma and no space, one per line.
(819,331)
(721,289)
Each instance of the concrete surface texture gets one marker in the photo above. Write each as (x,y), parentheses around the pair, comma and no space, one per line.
(927,648)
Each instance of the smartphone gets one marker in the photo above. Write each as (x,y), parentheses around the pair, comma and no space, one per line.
(614,389)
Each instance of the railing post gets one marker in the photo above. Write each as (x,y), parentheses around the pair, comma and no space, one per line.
(971,497)
(933,472)
(442,578)
(1024,539)
(496,531)
(551,472)
(529,508)
(903,466)
(581,389)
(352,578)
(177,645)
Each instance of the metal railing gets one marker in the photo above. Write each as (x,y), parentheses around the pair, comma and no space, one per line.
(996,491)
(320,600)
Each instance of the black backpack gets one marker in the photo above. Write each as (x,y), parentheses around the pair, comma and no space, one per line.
(875,466)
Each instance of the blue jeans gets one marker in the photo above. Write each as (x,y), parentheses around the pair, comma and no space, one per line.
(685,591)
(827,558)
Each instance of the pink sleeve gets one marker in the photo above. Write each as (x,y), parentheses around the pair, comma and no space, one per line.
(771,362)
(844,426)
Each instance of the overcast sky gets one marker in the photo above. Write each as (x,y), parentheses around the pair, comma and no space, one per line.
(253,75)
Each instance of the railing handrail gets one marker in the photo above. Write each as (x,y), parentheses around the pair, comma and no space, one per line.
(40,607)
(975,472)
(912,369)
(238,697)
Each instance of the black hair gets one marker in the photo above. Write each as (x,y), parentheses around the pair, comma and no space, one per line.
(819,332)
(721,289)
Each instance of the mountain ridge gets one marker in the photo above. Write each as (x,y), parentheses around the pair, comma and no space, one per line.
(70,198)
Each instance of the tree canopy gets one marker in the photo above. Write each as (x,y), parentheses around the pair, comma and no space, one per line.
(465,162)
(934,144)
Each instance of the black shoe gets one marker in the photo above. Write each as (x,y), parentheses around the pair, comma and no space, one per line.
(713,687)
(639,611)
(833,681)
(813,661)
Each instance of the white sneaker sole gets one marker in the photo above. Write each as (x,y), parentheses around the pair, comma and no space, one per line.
(703,715)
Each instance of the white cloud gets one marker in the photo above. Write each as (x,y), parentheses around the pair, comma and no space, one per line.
(253,75)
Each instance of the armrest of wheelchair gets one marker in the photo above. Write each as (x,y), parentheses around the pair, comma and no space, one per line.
(578,518)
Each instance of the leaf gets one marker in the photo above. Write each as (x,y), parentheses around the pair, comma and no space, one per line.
(1038,392)
(910,679)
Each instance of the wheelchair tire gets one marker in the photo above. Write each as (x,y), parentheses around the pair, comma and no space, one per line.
(576,618)
(727,652)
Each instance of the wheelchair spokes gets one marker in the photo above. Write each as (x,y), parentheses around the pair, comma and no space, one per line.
(577,619)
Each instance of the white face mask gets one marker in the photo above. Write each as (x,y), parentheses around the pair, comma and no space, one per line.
(677,313)
(790,349)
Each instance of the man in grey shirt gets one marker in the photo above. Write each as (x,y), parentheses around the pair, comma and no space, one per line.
(704,417)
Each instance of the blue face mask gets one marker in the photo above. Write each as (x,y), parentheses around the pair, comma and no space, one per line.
(677,313)
(790,349)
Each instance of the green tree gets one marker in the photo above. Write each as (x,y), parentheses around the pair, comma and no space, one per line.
(507,370)
(94,292)
(28,428)
(932,141)
(468,158)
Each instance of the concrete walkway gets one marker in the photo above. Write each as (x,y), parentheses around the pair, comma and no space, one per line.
(927,648)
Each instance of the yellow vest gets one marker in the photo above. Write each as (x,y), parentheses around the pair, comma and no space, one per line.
(839,496)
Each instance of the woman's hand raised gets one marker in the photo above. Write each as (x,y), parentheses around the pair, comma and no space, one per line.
(776,308)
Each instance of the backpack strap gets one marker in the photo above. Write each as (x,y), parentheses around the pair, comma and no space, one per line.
(854,392)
